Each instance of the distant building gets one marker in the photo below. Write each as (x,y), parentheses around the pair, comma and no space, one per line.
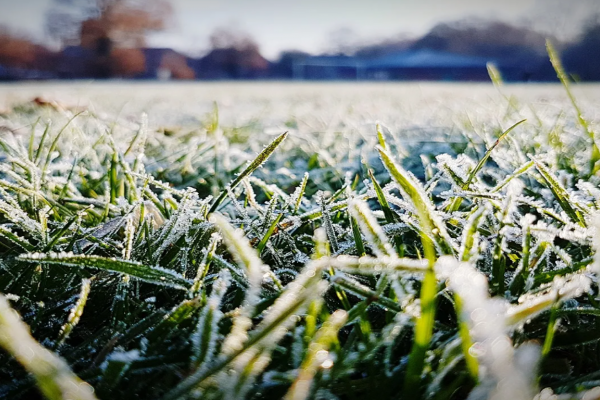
(76,62)
(404,65)
(338,67)
(232,63)
(18,74)
(427,65)
(165,64)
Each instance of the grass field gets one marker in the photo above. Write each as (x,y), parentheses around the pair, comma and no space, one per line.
(271,240)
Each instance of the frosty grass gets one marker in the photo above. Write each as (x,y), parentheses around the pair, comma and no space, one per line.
(447,256)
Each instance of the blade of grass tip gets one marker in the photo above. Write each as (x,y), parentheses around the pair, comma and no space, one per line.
(322,251)
(560,193)
(519,171)
(54,378)
(430,224)
(113,178)
(55,141)
(31,139)
(268,234)
(561,289)
(359,210)
(38,153)
(142,132)
(301,191)
(258,161)
(204,265)
(387,211)
(562,76)
(155,275)
(458,200)
(494,74)
(552,325)
(380,137)
(498,81)
(63,192)
(518,281)
(267,217)
(16,239)
(360,247)
(469,239)
(75,313)
(169,323)
(317,357)
(310,319)
(385,206)
(326,217)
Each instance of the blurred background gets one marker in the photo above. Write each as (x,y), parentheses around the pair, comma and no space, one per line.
(297,40)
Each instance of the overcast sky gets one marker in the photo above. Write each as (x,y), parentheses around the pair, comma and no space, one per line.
(310,25)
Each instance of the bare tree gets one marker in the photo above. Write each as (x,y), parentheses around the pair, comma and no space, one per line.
(113,30)
(125,23)
(233,53)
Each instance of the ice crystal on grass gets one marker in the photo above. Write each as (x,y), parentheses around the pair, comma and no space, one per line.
(156,275)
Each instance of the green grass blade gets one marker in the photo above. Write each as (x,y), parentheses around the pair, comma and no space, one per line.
(31,139)
(364,292)
(246,257)
(560,193)
(360,246)
(562,76)
(16,239)
(244,254)
(380,137)
(328,224)
(204,265)
(457,201)
(430,222)
(257,162)
(38,153)
(495,75)
(156,275)
(268,234)
(52,374)
(379,242)
(469,242)
(300,192)
(466,341)
(55,141)
(550,331)
(487,154)
(385,206)
(75,313)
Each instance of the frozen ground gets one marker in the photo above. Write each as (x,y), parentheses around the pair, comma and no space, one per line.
(329,287)
(315,106)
